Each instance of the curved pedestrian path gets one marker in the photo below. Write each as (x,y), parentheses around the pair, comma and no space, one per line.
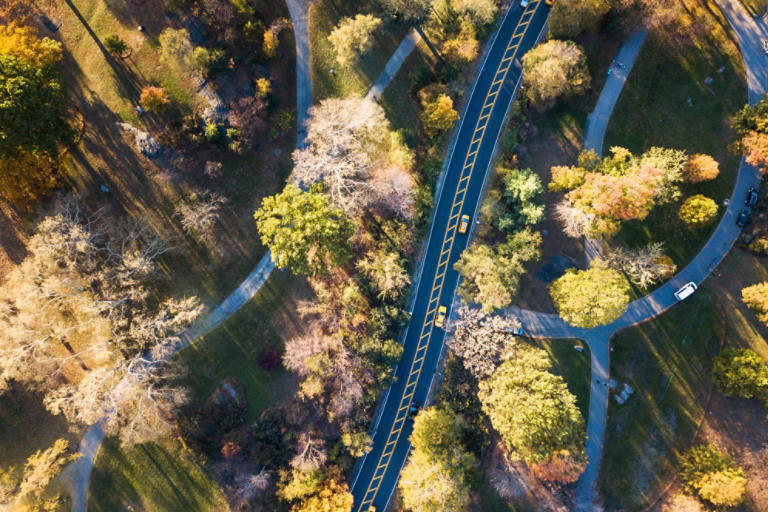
(750,34)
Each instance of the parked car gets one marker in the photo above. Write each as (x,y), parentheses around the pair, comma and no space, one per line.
(686,291)
(752,197)
(742,218)
(440,317)
(523,3)
(517,331)
(464,224)
(413,410)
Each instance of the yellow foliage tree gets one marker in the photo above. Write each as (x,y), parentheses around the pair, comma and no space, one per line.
(439,115)
(333,496)
(22,42)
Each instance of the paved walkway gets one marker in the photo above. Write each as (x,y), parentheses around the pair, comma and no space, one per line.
(405,48)
(750,34)
(299,10)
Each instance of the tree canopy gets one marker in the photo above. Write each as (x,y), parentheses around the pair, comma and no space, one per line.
(712,476)
(756,298)
(407,11)
(555,70)
(353,37)
(303,231)
(592,297)
(698,211)
(569,18)
(532,409)
(741,372)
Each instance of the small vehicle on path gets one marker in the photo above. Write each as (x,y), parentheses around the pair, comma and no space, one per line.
(440,317)
(463,224)
(413,410)
(685,292)
(752,197)
(742,218)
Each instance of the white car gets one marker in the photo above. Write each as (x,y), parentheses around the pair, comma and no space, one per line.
(523,3)
(685,292)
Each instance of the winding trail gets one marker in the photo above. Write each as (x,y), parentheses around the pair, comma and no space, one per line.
(750,34)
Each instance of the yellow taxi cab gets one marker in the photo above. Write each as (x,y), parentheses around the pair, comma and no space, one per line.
(440,318)
(464,224)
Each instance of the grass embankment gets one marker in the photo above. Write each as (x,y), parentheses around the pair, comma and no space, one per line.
(575,369)
(159,476)
(653,110)
(668,363)
(331,80)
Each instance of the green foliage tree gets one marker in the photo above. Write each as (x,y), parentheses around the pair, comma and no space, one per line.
(569,18)
(303,231)
(698,211)
(741,372)
(555,70)
(439,115)
(756,298)
(253,30)
(521,190)
(115,45)
(712,476)
(387,271)
(532,409)
(407,11)
(208,61)
(481,12)
(589,298)
(492,276)
(353,37)
(436,476)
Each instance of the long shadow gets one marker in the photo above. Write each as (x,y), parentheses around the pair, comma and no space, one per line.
(288,309)
(10,239)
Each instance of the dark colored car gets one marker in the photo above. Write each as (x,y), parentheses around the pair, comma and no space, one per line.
(742,218)
(752,197)
(413,410)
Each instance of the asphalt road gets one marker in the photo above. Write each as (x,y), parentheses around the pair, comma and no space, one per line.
(468,165)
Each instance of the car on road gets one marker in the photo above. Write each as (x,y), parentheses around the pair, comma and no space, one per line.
(413,410)
(686,291)
(440,317)
(752,197)
(742,218)
(464,224)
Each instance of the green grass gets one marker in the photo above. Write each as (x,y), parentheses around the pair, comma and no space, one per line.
(231,349)
(150,477)
(401,106)
(653,111)
(357,79)
(667,362)
(573,366)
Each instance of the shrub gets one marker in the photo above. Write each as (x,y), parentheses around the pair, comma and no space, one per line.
(115,45)
(420,77)
(212,132)
(263,88)
(254,31)
(154,99)
(712,476)
(759,246)
(698,211)
(233,133)
(740,372)
(700,168)
(208,61)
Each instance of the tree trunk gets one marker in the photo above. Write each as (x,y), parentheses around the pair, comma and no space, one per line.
(429,43)
(73,353)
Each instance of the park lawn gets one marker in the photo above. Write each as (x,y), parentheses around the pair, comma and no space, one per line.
(151,477)
(653,111)
(324,16)
(755,7)
(667,362)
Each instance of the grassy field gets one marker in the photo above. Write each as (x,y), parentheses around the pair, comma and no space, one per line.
(150,478)
(754,7)
(667,362)
(357,79)
(653,110)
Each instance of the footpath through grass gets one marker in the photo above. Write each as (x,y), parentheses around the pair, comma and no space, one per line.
(653,110)
(668,363)
(331,80)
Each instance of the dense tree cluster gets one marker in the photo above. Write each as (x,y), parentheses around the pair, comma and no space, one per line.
(482,341)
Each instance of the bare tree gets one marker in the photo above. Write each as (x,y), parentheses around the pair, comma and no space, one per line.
(201,213)
(575,222)
(43,466)
(395,187)
(644,266)
(482,341)
(311,452)
(387,272)
(248,487)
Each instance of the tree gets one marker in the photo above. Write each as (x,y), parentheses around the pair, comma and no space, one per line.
(492,277)
(436,432)
(756,298)
(521,190)
(566,178)
(756,150)
(564,466)
(698,211)
(409,12)
(481,12)
(569,18)
(712,476)
(271,41)
(22,42)
(618,198)
(347,139)
(700,168)
(263,88)
(741,372)
(555,70)
(33,109)
(175,46)
(439,115)
(303,231)
(154,99)
(201,213)
(115,45)
(591,297)
(387,272)
(42,467)
(644,266)
(462,47)
(395,187)
(208,61)
(575,222)
(332,496)
(482,341)
(28,177)
(353,37)
(532,409)
(296,484)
